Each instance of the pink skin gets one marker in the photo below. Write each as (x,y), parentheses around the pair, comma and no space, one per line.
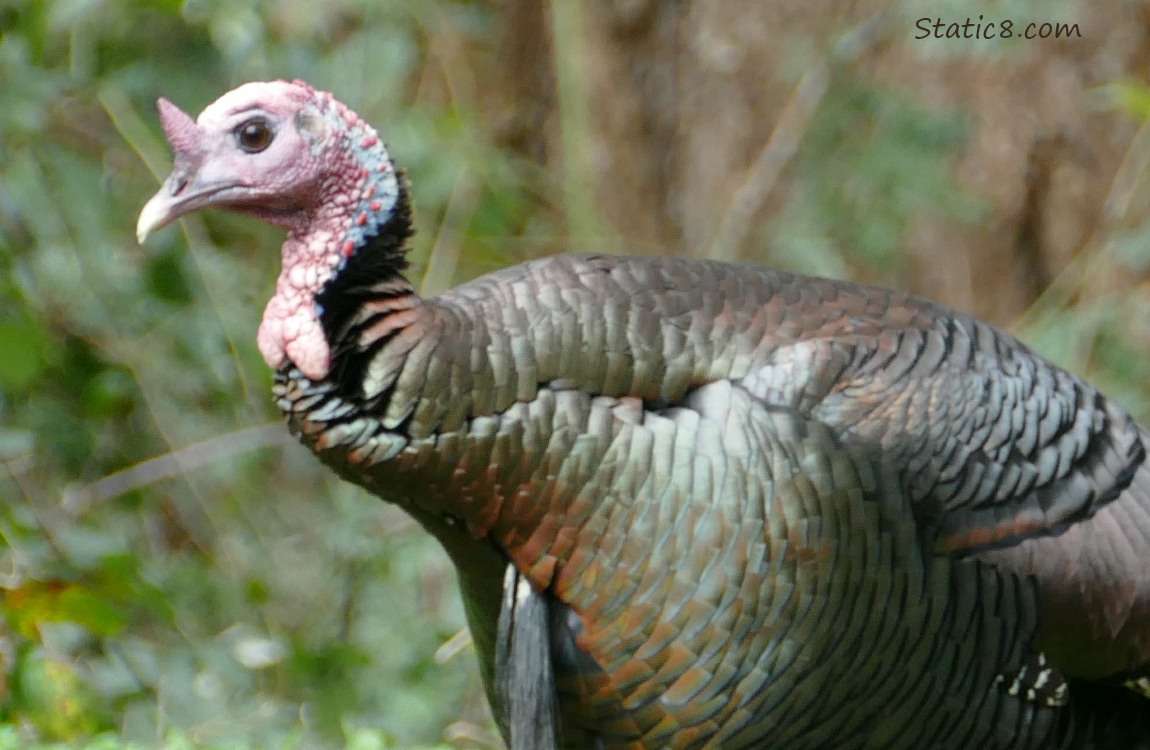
(308,179)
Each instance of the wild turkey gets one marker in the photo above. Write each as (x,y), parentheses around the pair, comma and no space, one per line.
(740,508)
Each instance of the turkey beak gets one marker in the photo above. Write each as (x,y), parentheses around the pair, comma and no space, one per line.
(166,205)
(181,193)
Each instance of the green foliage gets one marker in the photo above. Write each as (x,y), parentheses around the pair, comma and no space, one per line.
(238,598)
(359,739)
(870,164)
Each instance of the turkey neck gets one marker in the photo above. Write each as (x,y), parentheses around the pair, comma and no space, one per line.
(369,302)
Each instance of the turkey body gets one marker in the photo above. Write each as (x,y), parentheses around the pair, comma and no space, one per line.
(755,509)
(762,499)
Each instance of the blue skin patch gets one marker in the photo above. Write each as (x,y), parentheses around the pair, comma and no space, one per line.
(380,189)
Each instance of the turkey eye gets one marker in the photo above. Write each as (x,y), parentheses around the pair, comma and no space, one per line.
(254,136)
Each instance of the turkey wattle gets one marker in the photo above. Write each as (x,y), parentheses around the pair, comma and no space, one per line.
(743,508)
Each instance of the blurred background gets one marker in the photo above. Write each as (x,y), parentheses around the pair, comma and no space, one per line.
(175,573)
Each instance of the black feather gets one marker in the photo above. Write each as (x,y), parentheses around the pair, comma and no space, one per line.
(524,674)
(380,257)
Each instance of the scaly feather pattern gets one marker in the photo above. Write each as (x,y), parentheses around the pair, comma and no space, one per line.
(754,508)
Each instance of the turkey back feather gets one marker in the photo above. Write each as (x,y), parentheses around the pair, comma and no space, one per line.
(594,489)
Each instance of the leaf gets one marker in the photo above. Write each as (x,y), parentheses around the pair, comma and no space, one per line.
(35,602)
(1132,96)
(21,356)
(53,697)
